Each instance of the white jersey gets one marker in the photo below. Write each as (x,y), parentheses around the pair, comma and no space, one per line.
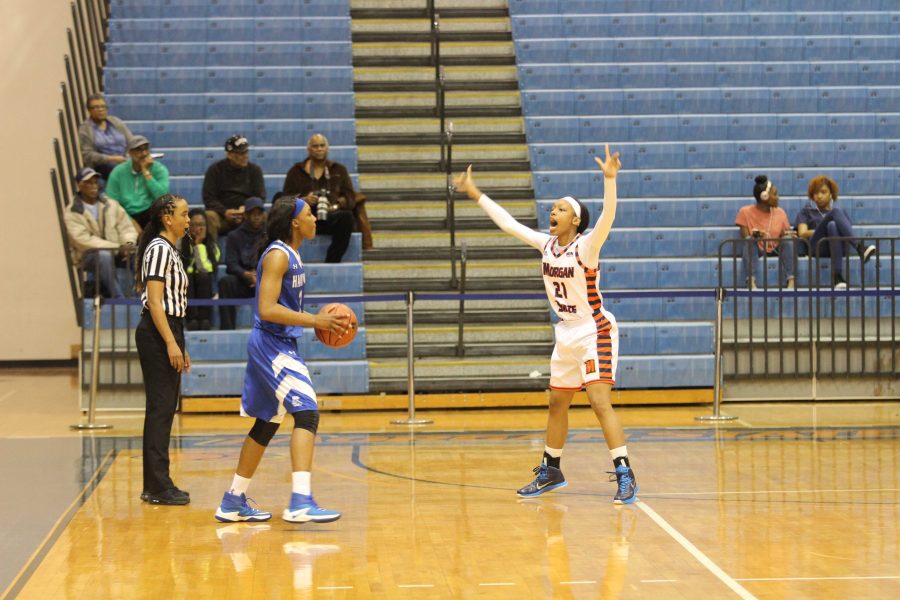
(571,286)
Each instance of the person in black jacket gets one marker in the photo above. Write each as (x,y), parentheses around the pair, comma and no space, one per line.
(240,260)
(227,186)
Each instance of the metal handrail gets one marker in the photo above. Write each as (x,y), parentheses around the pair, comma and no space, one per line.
(461,317)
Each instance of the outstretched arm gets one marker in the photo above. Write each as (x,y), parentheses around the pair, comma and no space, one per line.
(466,183)
(594,239)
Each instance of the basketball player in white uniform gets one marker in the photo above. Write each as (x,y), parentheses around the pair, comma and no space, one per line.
(587,338)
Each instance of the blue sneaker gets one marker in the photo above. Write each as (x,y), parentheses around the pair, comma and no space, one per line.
(628,487)
(548,478)
(304,508)
(235,508)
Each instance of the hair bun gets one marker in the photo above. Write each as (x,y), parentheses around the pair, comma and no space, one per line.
(761,179)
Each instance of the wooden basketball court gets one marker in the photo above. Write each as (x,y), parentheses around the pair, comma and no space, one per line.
(790,501)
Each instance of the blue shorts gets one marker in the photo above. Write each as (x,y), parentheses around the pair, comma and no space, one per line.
(277,380)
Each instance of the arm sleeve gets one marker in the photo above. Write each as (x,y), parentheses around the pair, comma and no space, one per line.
(508,224)
(211,190)
(89,153)
(593,240)
(155,261)
(158,184)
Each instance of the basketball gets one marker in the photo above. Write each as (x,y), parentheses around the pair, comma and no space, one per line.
(331,338)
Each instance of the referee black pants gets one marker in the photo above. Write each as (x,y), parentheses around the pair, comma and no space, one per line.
(161,385)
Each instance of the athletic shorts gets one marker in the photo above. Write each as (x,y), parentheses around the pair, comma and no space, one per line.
(586,352)
(277,380)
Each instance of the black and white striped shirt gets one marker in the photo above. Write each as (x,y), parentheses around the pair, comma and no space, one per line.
(162,263)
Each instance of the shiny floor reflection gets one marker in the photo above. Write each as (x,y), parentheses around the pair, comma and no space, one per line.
(729,512)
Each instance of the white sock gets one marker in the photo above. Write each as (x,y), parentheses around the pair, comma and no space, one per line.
(620,452)
(240,485)
(301,482)
(554,452)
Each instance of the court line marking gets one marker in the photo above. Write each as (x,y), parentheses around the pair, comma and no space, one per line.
(7,395)
(32,563)
(577,582)
(415,585)
(752,492)
(658,580)
(848,577)
(696,553)
(335,587)
(499,583)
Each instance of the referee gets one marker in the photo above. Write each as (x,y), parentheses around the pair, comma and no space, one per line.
(160,340)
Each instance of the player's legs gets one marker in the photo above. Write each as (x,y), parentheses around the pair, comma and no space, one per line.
(303,506)
(235,506)
(599,395)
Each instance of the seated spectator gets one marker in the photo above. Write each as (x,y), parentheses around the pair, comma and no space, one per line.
(317,177)
(762,221)
(821,219)
(95,222)
(228,184)
(102,137)
(200,255)
(138,181)
(241,255)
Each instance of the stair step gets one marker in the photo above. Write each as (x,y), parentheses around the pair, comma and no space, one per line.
(414,9)
(448,26)
(490,314)
(434,166)
(487,180)
(480,243)
(463,126)
(439,195)
(442,284)
(449,50)
(452,75)
(426,223)
(459,139)
(446,37)
(422,112)
(448,349)
(393,254)
(426,86)
(461,152)
(391,60)
(400,272)
(452,100)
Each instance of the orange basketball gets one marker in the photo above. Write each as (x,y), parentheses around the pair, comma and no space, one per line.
(332,338)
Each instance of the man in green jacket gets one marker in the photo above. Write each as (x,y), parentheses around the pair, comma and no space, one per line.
(137,182)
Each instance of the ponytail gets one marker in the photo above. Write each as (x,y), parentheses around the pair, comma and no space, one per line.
(278,224)
(164,205)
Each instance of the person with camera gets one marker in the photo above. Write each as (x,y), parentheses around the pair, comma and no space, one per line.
(765,222)
(326,186)
(228,184)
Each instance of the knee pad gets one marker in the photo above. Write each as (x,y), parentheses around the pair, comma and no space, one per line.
(308,420)
(262,432)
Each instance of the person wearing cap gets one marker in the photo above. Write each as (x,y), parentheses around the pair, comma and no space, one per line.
(138,181)
(103,138)
(100,232)
(228,184)
(241,254)
(315,174)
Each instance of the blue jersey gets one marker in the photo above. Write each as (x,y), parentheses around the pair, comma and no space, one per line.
(291,295)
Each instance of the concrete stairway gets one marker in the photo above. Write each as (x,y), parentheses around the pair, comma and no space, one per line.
(400,171)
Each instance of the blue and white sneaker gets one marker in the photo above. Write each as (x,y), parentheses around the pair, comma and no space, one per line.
(235,508)
(304,508)
(548,478)
(628,487)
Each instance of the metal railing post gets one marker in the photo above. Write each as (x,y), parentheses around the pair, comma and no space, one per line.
(95,357)
(717,384)
(461,317)
(451,205)
(411,366)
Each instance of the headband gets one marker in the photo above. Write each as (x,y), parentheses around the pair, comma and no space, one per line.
(764,195)
(576,208)
(299,203)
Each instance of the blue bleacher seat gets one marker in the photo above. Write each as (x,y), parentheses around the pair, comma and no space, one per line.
(544,26)
(809,153)
(624,50)
(523,7)
(879,73)
(870,47)
(745,100)
(869,181)
(792,100)
(822,23)
(664,183)
(636,338)
(830,74)
(847,99)
(690,75)
(229,106)
(751,127)
(883,99)
(541,51)
(302,8)
(544,77)
(553,129)
(628,274)
(826,48)
(226,379)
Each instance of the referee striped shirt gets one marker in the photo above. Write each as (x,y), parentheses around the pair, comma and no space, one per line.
(163,263)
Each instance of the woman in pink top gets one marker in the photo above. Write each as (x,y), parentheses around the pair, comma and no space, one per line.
(766,222)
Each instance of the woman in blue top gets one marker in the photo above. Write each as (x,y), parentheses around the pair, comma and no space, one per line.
(277,380)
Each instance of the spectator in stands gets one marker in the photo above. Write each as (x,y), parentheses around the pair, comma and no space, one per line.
(766,221)
(138,181)
(240,260)
(102,137)
(322,181)
(200,254)
(821,219)
(228,184)
(95,222)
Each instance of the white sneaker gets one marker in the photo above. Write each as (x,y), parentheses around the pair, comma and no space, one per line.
(840,285)
(868,253)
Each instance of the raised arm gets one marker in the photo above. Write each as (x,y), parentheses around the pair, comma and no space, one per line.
(594,239)
(465,183)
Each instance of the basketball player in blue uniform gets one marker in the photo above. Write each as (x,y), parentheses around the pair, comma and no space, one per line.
(277,380)
(587,337)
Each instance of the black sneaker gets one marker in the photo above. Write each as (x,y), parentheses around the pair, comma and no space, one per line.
(170,497)
(867,252)
(548,478)
(145,496)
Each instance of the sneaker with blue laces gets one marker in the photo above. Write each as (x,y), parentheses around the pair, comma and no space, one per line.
(628,487)
(548,479)
(235,508)
(304,508)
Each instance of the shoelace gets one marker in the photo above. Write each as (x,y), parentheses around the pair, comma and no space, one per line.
(624,480)
(248,500)
(541,471)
